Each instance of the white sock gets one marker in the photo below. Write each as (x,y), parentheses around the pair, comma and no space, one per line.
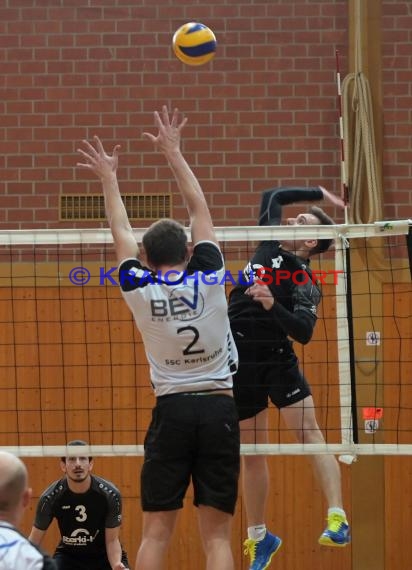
(338,511)
(257,532)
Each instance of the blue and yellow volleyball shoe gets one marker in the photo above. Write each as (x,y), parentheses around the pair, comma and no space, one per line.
(337,533)
(262,551)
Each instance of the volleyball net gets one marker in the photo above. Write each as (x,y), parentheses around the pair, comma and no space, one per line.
(72,363)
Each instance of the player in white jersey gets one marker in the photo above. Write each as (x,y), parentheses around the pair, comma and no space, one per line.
(178,300)
(174,314)
(16,552)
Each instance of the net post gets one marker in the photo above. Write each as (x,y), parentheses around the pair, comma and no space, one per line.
(347,382)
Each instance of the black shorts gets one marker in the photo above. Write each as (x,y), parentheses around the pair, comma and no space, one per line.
(66,562)
(267,372)
(191,437)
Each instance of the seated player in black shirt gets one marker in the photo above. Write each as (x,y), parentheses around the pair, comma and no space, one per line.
(88,510)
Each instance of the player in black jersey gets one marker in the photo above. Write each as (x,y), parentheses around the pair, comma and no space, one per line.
(88,510)
(16,552)
(194,433)
(279,306)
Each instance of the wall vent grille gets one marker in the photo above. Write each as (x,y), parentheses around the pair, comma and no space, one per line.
(90,207)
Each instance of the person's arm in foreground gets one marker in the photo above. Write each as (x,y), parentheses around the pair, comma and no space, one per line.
(168,142)
(104,167)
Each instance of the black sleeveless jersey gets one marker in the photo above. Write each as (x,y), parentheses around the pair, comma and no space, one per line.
(82,517)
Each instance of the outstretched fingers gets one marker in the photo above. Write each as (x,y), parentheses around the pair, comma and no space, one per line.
(90,147)
(96,158)
(175,120)
(99,145)
(100,148)
(90,160)
(168,126)
(165,114)
(90,155)
(158,121)
(182,124)
(115,151)
(167,122)
(175,117)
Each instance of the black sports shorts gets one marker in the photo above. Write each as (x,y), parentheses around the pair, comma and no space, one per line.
(267,372)
(191,437)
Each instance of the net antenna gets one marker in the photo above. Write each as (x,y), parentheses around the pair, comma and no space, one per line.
(344,173)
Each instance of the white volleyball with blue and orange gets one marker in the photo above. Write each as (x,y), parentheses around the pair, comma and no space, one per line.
(194,43)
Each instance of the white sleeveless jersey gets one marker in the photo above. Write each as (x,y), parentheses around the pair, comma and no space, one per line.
(183,320)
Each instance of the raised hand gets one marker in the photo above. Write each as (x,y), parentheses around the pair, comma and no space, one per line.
(332,198)
(169,131)
(97,160)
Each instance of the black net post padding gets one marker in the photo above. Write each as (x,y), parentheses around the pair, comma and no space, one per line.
(349,309)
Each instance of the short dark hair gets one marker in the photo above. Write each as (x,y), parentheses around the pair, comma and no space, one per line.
(76,442)
(322,244)
(165,243)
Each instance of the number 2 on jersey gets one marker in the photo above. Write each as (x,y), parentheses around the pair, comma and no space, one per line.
(189,349)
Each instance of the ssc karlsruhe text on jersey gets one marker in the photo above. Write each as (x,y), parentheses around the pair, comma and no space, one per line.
(183,323)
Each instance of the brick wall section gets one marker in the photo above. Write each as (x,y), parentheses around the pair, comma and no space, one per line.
(263,113)
(397,107)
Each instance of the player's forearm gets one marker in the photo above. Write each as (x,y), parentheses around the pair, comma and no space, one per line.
(36,535)
(296,325)
(114,553)
(187,183)
(275,198)
(115,210)
(285,196)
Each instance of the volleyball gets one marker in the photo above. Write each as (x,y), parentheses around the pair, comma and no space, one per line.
(194,43)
